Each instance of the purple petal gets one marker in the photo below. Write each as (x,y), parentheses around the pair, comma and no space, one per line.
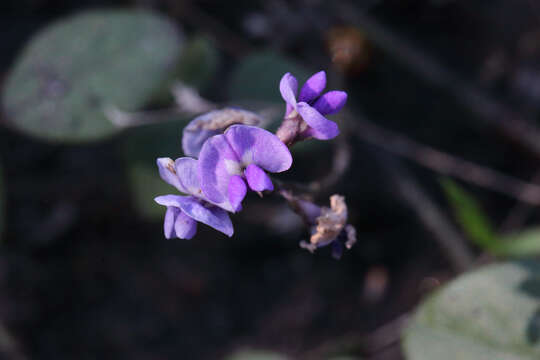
(254,145)
(331,102)
(321,127)
(213,123)
(337,250)
(194,134)
(168,225)
(169,200)
(237,191)
(185,227)
(192,141)
(313,87)
(257,178)
(167,171)
(288,87)
(207,213)
(217,163)
(288,109)
(186,169)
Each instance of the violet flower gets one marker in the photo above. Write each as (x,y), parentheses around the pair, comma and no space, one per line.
(240,155)
(183,212)
(213,123)
(311,106)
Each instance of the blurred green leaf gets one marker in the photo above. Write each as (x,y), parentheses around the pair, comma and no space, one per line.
(470,215)
(490,314)
(524,243)
(75,68)
(256,355)
(199,62)
(257,77)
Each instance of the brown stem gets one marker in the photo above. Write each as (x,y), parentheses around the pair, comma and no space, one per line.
(446,164)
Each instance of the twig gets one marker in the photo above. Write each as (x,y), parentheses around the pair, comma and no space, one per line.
(340,163)
(446,164)
(432,217)
(519,213)
(124,119)
(483,105)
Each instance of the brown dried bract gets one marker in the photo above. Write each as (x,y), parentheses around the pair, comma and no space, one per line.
(331,221)
(170,166)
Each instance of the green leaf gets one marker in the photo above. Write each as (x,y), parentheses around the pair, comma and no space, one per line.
(524,243)
(255,355)
(257,77)
(470,215)
(77,67)
(490,314)
(199,63)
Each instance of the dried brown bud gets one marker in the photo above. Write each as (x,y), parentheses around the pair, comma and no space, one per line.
(331,221)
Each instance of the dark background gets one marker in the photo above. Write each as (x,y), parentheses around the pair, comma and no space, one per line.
(83,276)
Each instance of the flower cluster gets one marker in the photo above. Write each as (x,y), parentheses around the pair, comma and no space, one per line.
(304,118)
(230,154)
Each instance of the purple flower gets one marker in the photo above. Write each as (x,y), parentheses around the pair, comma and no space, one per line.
(240,155)
(183,212)
(213,123)
(311,106)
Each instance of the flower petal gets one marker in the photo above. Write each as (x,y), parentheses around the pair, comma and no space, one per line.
(257,178)
(185,227)
(237,191)
(168,224)
(186,169)
(213,123)
(313,87)
(169,200)
(257,146)
(192,141)
(217,163)
(331,102)
(207,213)
(167,171)
(321,127)
(288,87)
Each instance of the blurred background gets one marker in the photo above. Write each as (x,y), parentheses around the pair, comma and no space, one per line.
(438,89)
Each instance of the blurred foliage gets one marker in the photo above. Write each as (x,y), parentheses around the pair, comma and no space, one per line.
(257,76)
(470,215)
(481,232)
(523,243)
(491,313)
(199,63)
(77,67)
(256,355)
